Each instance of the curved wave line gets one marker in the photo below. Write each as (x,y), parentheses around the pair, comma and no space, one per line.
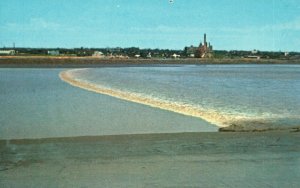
(207,115)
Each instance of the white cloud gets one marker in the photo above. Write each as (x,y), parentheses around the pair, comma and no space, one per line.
(41,23)
(291,25)
(165,29)
(34,24)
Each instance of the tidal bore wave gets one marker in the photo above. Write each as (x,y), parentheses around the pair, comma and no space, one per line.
(218,118)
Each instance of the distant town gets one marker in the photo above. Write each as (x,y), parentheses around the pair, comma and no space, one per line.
(204,50)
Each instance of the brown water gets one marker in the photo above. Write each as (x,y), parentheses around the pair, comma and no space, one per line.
(253,97)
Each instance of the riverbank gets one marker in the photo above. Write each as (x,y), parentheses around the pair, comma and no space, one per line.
(77,62)
(154,160)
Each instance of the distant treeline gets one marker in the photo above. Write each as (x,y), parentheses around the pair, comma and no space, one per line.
(154,53)
(261,54)
(130,52)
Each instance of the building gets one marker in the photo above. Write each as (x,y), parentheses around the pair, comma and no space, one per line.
(175,56)
(253,56)
(7,52)
(202,51)
(205,49)
(149,55)
(53,52)
(190,51)
(98,54)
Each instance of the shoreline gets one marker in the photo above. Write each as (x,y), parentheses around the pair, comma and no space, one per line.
(152,137)
(80,62)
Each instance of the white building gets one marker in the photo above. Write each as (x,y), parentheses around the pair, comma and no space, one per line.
(98,54)
(253,56)
(7,52)
(175,56)
(149,55)
(53,52)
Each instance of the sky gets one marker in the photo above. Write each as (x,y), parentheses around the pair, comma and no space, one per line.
(266,25)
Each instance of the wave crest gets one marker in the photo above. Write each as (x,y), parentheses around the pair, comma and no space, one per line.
(228,122)
(185,109)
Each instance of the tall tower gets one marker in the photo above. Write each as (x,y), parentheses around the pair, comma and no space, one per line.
(204,50)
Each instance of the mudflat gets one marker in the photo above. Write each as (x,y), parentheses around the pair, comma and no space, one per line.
(265,159)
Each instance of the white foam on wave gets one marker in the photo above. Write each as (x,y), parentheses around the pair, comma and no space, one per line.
(213,116)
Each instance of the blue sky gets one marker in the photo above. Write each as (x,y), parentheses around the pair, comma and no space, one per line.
(272,25)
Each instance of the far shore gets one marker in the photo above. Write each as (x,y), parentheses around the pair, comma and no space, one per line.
(73,62)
